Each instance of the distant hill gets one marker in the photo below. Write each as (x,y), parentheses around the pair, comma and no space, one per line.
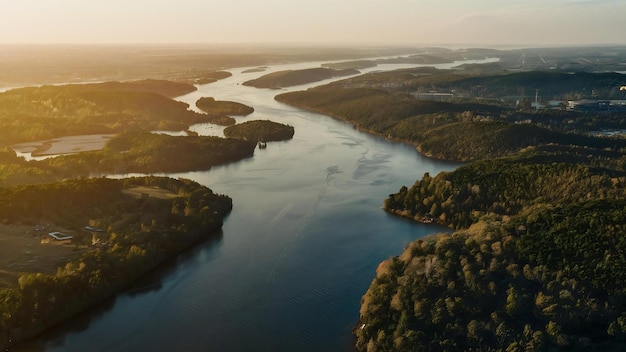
(166,88)
(467,126)
(297,77)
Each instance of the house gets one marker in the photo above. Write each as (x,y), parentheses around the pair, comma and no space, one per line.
(59,236)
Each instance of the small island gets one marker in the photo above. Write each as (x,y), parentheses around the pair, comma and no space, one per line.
(219,107)
(290,78)
(260,130)
(211,77)
(254,70)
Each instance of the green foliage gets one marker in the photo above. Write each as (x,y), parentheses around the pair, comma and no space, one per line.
(260,130)
(507,186)
(212,106)
(550,278)
(551,84)
(535,263)
(165,88)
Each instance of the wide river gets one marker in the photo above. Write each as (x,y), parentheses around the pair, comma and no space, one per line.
(300,248)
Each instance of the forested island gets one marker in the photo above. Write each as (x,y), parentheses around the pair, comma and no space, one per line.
(210,105)
(260,130)
(296,77)
(121,229)
(535,260)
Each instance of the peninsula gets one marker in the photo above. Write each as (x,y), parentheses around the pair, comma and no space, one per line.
(290,78)
(119,230)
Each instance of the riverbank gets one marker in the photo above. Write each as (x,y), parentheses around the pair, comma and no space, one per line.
(103,263)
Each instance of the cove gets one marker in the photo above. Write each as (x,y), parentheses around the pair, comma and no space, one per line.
(294,257)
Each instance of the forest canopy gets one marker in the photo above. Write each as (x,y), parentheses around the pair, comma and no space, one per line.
(534,261)
(260,130)
(218,107)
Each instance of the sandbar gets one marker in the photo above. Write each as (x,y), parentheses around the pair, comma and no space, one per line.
(64,145)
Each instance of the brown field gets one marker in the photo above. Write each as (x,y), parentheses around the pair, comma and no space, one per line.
(23,250)
(64,145)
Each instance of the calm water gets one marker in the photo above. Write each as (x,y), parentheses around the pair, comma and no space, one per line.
(294,257)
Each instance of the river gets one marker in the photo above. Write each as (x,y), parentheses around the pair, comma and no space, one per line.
(293,259)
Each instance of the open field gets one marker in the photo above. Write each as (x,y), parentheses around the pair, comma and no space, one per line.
(64,145)
(24,249)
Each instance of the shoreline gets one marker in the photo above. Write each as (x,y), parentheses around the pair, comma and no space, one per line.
(358,128)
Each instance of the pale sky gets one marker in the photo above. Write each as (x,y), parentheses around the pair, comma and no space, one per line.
(413,22)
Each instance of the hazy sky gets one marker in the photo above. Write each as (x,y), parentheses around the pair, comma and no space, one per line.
(508,22)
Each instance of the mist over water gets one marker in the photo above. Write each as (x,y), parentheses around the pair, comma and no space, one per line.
(294,257)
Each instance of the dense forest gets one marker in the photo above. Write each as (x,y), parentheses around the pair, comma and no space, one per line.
(535,262)
(216,107)
(506,186)
(137,231)
(260,130)
(382,103)
(550,278)
(500,85)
